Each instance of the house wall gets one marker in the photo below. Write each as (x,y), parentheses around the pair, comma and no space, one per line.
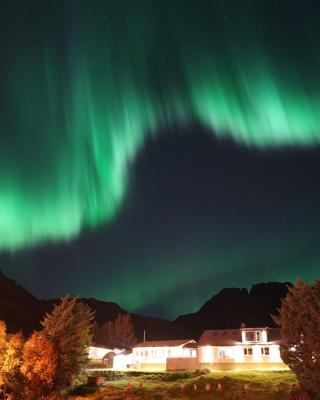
(211,357)
(155,357)
(233,357)
(174,364)
(122,362)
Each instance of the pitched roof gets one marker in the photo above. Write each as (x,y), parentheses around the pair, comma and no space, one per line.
(191,345)
(223,337)
(231,337)
(165,343)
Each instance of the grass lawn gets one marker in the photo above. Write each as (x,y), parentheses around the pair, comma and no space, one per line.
(251,385)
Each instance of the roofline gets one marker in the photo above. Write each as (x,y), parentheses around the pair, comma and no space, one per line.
(245,344)
(185,341)
(265,328)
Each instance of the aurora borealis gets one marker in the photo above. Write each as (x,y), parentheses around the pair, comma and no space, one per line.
(87,88)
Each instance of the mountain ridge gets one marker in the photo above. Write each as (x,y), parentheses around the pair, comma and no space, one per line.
(231,307)
(21,310)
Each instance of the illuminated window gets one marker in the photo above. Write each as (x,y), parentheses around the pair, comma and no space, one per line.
(247,351)
(265,351)
(222,353)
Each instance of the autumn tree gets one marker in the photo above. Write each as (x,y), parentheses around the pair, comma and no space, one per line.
(11,378)
(299,320)
(68,327)
(3,336)
(120,332)
(39,366)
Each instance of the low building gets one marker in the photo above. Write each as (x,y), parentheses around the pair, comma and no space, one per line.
(165,354)
(244,348)
(108,359)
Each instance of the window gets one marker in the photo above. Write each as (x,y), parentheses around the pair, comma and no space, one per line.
(187,353)
(265,351)
(249,336)
(225,352)
(247,351)
(222,353)
(252,336)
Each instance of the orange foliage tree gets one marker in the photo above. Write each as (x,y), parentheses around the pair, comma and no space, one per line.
(46,366)
(39,366)
(11,378)
(3,337)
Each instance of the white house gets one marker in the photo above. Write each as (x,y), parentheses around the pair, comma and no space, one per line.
(165,354)
(244,348)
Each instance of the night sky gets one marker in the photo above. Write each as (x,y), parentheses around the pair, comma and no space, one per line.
(153,152)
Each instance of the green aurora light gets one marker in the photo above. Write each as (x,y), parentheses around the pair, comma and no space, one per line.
(84,84)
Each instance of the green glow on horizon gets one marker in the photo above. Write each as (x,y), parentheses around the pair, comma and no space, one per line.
(77,113)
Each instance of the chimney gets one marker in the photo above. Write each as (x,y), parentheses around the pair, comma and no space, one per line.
(243,325)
